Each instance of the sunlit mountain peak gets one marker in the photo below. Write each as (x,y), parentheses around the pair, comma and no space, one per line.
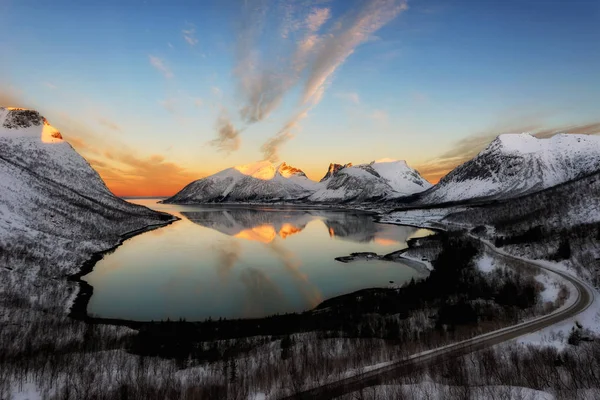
(260,170)
(265,170)
(21,122)
(287,171)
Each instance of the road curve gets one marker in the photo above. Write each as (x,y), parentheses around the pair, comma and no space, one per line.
(584,298)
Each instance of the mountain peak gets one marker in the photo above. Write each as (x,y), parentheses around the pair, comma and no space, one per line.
(516,164)
(261,170)
(526,143)
(514,143)
(333,169)
(286,170)
(22,122)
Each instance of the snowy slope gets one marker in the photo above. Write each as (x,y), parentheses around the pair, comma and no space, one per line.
(260,181)
(517,164)
(54,210)
(403,179)
(377,180)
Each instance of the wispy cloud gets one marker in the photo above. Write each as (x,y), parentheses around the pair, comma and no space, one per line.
(228,137)
(189,35)
(160,65)
(351,30)
(125,171)
(109,124)
(272,146)
(50,86)
(313,46)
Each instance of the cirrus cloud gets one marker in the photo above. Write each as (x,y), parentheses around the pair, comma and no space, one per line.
(160,65)
(313,44)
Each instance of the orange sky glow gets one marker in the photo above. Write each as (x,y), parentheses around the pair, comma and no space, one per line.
(164,184)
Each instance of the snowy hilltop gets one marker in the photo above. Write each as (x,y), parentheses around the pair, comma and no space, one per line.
(55,211)
(378,180)
(265,182)
(517,164)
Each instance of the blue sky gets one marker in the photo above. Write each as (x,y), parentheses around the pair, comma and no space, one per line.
(142,88)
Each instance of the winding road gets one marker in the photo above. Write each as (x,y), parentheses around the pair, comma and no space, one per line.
(584,298)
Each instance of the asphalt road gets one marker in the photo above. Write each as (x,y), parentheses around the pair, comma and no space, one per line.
(584,298)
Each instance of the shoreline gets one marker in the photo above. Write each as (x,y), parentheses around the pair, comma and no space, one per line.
(78,310)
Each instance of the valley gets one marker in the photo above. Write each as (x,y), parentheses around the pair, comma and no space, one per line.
(245,298)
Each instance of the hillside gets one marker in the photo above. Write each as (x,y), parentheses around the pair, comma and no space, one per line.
(517,164)
(55,212)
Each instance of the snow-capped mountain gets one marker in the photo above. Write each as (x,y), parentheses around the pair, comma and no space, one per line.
(382,179)
(517,164)
(260,181)
(333,169)
(55,211)
(264,182)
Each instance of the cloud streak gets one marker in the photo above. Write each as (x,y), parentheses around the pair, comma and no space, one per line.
(352,30)
(228,137)
(189,35)
(160,65)
(124,170)
(312,45)
(109,124)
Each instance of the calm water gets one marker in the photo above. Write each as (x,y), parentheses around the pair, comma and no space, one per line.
(241,262)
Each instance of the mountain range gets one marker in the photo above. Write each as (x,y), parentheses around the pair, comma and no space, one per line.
(512,165)
(265,182)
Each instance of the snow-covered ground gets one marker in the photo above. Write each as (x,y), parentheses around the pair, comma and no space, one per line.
(557,335)
(424,218)
(430,390)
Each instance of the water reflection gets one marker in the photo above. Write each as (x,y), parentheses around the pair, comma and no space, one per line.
(236,262)
(264,225)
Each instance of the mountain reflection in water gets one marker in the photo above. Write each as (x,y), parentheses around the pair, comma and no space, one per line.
(244,262)
(264,225)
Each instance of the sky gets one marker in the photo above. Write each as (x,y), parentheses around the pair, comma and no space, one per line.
(155,94)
